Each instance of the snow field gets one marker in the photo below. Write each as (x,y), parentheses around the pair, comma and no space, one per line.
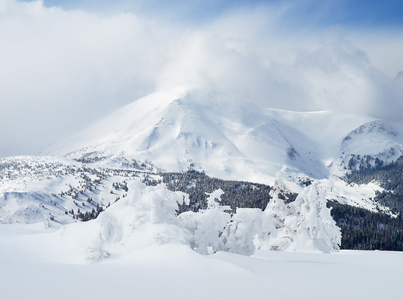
(31,270)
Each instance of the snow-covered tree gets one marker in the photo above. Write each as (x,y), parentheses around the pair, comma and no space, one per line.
(246,227)
(303,225)
(277,211)
(207,225)
(148,216)
(312,222)
(145,217)
(273,237)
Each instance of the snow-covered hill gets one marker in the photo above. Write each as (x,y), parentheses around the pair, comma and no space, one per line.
(58,191)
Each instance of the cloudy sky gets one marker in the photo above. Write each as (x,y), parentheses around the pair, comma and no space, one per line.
(66,64)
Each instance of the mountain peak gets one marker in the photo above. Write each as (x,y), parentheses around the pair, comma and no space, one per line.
(370,145)
(376,126)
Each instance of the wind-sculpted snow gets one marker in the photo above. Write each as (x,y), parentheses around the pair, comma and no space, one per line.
(147,216)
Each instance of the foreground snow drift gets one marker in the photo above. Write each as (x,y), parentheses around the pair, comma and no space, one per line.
(32,267)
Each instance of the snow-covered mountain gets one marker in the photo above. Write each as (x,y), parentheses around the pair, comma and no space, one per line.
(223,135)
(232,138)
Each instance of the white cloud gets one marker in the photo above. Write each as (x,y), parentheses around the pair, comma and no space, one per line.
(61,70)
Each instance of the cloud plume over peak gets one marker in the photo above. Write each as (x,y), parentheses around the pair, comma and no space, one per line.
(62,69)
